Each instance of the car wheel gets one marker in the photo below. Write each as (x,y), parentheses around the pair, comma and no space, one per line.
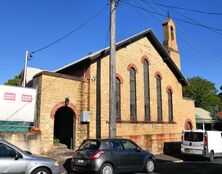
(106,169)
(149,166)
(41,170)
(211,156)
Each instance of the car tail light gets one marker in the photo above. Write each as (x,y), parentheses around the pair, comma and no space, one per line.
(205,141)
(97,154)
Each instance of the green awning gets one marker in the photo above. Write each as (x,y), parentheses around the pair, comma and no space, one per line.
(14,126)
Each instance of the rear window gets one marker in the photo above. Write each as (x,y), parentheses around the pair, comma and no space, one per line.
(90,145)
(111,145)
(193,136)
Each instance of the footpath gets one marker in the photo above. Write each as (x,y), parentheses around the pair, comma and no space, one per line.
(162,158)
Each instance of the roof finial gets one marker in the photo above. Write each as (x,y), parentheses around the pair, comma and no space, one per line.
(168,13)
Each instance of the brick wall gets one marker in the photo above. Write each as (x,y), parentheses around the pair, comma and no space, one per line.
(54,88)
(53,91)
(159,133)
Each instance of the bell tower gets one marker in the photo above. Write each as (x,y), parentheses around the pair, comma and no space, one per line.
(170,42)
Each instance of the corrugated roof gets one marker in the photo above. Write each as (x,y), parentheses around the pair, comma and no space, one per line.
(203,116)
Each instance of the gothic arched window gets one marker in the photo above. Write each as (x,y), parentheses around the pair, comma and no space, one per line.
(146,91)
(159,98)
(133,94)
(170,104)
(118,99)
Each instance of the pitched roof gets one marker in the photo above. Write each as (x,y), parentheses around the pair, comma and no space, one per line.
(151,37)
(203,116)
(219,115)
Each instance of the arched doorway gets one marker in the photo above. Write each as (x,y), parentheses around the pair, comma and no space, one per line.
(64,122)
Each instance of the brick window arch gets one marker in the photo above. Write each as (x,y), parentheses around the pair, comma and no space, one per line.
(158,74)
(132,66)
(61,104)
(119,77)
(145,58)
(169,88)
(188,125)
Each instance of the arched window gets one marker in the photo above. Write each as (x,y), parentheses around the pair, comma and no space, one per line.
(172,32)
(146,91)
(132,94)
(118,99)
(170,105)
(159,98)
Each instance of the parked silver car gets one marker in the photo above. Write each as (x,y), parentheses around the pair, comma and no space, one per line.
(13,160)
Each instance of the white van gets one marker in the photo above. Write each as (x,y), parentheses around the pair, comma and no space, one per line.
(202,143)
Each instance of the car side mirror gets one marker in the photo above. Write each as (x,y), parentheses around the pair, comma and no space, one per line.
(17,156)
(138,149)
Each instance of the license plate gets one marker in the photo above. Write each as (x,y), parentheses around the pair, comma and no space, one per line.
(80,161)
(188,150)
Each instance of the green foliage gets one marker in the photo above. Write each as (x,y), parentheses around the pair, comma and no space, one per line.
(204,93)
(56,141)
(220,94)
(15,81)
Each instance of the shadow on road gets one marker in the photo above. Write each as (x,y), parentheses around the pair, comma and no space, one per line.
(67,166)
(198,167)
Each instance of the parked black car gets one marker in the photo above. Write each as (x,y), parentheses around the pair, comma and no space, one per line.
(109,156)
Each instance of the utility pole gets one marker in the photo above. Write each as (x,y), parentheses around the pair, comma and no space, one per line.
(112,71)
(25,69)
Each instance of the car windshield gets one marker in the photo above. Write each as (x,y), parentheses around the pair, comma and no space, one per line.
(90,145)
(193,136)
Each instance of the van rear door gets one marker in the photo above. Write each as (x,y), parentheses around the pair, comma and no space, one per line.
(193,142)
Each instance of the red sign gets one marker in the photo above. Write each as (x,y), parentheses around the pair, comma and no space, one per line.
(9,96)
(26,98)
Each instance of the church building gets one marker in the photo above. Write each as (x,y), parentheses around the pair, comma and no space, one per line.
(73,101)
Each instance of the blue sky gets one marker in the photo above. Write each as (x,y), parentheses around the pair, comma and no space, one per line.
(32,24)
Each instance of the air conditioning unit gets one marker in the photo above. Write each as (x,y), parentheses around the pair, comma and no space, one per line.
(85,117)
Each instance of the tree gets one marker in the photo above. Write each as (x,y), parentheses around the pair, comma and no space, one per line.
(220,94)
(204,93)
(15,81)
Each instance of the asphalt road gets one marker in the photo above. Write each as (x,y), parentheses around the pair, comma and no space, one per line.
(194,166)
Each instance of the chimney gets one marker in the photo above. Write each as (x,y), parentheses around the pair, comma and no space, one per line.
(170,42)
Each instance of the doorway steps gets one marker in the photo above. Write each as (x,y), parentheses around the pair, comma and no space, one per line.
(63,155)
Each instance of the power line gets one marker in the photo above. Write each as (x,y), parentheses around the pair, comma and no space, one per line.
(199,50)
(197,45)
(185,9)
(73,31)
(210,28)
(178,19)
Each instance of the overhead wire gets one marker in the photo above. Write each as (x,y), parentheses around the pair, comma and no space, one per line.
(186,9)
(209,28)
(178,19)
(40,49)
(197,45)
(71,32)
(58,40)
(187,46)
